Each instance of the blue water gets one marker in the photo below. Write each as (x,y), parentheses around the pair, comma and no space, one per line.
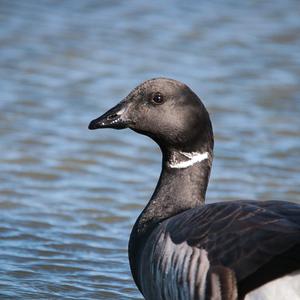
(68,196)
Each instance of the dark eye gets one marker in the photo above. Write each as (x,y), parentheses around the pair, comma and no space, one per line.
(158,98)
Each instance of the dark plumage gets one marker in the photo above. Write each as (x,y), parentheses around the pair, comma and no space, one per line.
(179,247)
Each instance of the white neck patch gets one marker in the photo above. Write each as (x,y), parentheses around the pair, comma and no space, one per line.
(193,157)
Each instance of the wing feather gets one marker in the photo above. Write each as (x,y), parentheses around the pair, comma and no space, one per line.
(243,236)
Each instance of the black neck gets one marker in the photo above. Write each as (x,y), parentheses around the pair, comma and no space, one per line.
(178,189)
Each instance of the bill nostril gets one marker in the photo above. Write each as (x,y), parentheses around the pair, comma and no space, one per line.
(113,116)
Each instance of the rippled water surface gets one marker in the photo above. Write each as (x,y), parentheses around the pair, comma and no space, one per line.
(69,196)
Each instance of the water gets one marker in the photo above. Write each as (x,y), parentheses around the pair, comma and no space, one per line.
(69,196)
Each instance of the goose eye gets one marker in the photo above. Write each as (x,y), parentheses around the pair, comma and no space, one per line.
(158,98)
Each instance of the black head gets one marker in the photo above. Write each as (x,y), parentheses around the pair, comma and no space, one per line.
(167,111)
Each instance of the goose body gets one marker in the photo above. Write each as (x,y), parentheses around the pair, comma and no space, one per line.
(203,254)
(180,247)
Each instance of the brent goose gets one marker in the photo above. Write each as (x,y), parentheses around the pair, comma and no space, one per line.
(182,248)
